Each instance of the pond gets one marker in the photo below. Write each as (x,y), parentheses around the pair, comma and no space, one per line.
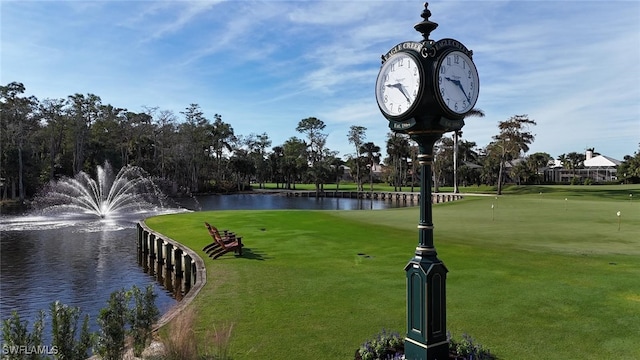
(81,260)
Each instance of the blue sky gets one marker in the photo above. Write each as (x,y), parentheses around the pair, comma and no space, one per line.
(572,66)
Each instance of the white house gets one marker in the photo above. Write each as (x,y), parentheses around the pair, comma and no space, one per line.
(598,168)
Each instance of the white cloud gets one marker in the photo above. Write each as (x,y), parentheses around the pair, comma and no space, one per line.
(174,16)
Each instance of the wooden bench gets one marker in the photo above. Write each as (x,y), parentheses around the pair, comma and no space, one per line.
(222,244)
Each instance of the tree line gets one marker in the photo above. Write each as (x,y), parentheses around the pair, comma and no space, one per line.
(44,140)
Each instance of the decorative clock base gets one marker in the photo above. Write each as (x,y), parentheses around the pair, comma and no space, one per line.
(426,274)
(426,311)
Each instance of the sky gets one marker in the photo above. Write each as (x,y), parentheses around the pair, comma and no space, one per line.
(572,66)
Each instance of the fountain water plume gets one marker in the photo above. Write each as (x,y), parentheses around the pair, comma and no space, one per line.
(130,190)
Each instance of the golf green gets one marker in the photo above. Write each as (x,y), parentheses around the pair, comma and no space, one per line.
(541,273)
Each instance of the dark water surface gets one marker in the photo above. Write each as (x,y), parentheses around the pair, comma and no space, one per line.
(80,260)
(77,261)
(280,201)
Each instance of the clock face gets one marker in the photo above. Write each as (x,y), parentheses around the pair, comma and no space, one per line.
(457,87)
(398,85)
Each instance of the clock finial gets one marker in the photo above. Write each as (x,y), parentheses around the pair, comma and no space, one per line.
(426,27)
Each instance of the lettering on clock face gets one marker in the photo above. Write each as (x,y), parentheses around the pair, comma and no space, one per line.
(398,84)
(457,84)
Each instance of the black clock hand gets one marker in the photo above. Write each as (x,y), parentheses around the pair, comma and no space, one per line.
(457,83)
(404,92)
(401,88)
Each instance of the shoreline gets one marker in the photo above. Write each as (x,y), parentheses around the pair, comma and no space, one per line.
(200,274)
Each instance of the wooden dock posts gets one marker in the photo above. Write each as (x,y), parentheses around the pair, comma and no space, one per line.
(436,198)
(173,265)
(176,267)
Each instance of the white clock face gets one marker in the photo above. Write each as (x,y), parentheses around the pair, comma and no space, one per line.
(398,84)
(458,84)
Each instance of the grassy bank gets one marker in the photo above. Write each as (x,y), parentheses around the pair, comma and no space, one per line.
(541,274)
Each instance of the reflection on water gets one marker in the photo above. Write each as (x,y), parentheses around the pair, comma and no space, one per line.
(279,201)
(77,264)
(80,260)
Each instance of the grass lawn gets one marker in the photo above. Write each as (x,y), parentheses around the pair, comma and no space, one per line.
(545,274)
(343,186)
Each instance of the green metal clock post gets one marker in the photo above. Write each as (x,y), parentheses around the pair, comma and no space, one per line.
(425,98)
(426,274)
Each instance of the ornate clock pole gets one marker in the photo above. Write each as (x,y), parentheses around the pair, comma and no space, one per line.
(425,89)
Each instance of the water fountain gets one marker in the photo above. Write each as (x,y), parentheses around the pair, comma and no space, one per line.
(131,189)
(78,244)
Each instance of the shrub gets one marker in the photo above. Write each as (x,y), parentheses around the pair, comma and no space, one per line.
(15,333)
(68,344)
(64,327)
(466,349)
(142,317)
(112,321)
(390,346)
(386,345)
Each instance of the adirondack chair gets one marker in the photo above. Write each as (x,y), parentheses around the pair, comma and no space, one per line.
(215,247)
(227,237)
(220,245)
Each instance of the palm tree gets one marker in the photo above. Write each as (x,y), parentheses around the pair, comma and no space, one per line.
(356,136)
(398,149)
(456,134)
(222,138)
(337,170)
(512,140)
(276,158)
(372,153)
(574,161)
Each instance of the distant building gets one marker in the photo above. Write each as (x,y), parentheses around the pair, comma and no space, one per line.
(349,174)
(598,168)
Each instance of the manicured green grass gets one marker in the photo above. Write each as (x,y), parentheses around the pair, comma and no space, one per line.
(537,277)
